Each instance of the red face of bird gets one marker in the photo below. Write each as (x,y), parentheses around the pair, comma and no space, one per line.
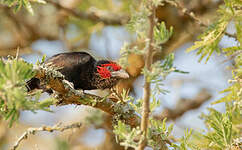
(111,69)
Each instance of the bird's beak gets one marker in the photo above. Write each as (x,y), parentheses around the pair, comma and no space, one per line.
(120,74)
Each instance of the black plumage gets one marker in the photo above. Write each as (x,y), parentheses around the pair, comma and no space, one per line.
(83,71)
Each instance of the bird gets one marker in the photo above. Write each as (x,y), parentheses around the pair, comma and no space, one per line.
(83,70)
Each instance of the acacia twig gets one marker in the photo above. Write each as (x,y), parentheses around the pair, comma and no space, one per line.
(237,53)
(148,63)
(33,131)
(189,13)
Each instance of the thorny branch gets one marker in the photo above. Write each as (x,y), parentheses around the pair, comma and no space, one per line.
(148,63)
(33,131)
(189,13)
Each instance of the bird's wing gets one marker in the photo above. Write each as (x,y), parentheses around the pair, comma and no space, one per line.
(65,60)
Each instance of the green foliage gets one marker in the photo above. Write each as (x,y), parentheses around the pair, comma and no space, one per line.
(138,22)
(159,72)
(137,106)
(234,91)
(184,142)
(210,39)
(126,97)
(231,50)
(158,133)
(221,125)
(159,69)
(13,93)
(238,25)
(127,136)
(222,128)
(18,4)
(125,51)
(161,34)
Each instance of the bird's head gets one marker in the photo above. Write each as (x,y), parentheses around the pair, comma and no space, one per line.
(109,69)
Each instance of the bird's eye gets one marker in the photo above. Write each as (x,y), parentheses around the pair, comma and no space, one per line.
(110,68)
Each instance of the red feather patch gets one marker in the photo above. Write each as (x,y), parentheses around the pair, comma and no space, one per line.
(104,72)
(115,66)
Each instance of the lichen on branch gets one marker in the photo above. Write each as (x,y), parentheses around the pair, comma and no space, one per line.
(66,94)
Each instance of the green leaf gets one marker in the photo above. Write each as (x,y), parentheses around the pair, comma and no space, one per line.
(161,34)
(221,136)
(231,50)
(209,40)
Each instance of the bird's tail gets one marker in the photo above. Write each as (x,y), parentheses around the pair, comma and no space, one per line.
(32,84)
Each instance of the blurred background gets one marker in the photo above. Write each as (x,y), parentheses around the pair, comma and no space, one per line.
(99,28)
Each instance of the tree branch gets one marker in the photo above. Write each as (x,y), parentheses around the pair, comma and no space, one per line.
(94,15)
(33,131)
(189,13)
(148,62)
(65,94)
(184,106)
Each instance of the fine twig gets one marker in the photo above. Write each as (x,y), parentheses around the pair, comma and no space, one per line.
(184,106)
(148,63)
(189,13)
(32,131)
(231,57)
(94,15)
